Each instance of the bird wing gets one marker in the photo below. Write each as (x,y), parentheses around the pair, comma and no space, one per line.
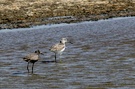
(31,56)
(57,47)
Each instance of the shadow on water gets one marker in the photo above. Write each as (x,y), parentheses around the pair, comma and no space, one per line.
(19,73)
(101,56)
(48,62)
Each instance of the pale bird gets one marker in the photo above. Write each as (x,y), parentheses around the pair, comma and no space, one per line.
(32,58)
(59,47)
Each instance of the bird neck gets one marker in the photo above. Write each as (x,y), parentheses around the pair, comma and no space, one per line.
(38,53)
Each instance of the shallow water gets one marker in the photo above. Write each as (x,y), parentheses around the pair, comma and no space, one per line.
(102,56)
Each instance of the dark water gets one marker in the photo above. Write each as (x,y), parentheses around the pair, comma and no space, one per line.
(102,56)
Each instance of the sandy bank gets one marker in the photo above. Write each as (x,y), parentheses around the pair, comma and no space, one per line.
(26,13)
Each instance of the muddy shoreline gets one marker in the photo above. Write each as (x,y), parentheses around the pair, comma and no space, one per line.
(59,12)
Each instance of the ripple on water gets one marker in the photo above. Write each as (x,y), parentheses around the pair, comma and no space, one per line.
(101,56)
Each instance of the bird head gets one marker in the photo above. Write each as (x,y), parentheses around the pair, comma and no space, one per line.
(38,52)
(63,40)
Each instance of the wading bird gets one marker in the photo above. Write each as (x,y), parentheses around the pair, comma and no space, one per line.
(58,48)
(32,58)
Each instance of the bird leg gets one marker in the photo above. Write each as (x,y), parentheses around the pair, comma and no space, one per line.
(32,68)
(28,66)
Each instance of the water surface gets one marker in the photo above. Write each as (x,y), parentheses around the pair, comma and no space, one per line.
(102,56)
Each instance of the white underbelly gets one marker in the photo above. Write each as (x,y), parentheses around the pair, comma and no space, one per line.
(62,50)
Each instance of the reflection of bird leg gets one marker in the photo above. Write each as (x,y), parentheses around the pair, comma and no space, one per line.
(55,57)
(60,56)
(32,68)
(28,66)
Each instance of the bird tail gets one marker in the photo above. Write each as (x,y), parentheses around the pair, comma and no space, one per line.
(25,59)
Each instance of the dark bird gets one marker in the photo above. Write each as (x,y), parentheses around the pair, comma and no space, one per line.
(32,58)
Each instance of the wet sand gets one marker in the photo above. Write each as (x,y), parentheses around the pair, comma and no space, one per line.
(27,13)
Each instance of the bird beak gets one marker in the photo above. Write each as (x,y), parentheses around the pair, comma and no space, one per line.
(70,42)
(43,53)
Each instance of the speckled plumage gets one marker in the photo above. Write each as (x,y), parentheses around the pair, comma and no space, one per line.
(59,47)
